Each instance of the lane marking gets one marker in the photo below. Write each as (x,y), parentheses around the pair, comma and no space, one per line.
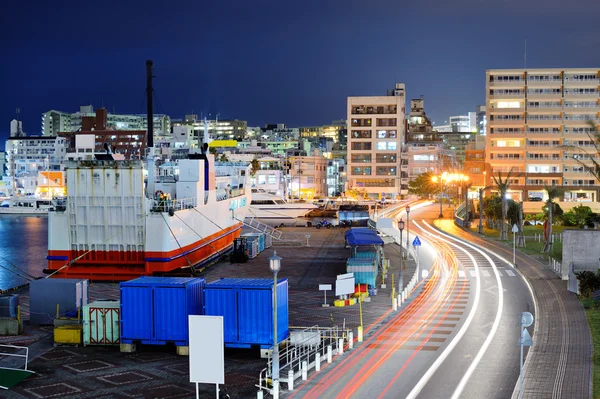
(510,273)
(463,382)
(461,274)
(485,273)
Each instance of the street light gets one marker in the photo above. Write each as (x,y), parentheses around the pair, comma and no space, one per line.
(407,229)
(275,265)
(435,179)
(400,277)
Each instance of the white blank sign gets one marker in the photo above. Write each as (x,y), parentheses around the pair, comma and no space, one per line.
(207,357)
(344,286)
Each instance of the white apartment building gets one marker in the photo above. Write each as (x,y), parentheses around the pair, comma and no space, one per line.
(308,176)
(27,156)
(532,113)
(375,137)
(57,121)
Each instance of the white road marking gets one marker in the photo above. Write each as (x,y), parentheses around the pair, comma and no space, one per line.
(485,273)
(461,274)
(510,273)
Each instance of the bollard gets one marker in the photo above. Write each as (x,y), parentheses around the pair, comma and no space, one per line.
(395,304)
(259,394)
(304,371)
(350,340)
(359,334)
(318,362)
(400,299)
(329,356)
(290,380)
(341,346)
(275,389)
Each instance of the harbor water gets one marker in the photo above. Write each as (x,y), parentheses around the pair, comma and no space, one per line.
(23,250)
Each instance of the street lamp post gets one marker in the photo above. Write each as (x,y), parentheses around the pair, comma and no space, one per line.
(275,265)
(400,277)
(481,210)
(407,229)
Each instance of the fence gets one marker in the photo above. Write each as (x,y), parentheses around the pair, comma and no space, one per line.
(302,352)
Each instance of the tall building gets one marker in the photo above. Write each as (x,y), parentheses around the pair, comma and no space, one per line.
(222,129)
(375,137)
(481,120)
(424,145)
(532,113)
(57,121)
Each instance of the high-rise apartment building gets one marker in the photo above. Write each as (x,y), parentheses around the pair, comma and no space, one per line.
(375,137)
(532,114)
(57,121)
(481,120)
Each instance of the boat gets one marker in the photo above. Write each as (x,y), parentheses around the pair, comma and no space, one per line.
(112,226)
(25,206)
(109,228)
(265,206)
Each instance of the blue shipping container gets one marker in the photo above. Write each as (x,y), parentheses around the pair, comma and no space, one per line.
(154,310)
(247,309)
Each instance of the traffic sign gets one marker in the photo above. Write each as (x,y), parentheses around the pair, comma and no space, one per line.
(526,319)
(416,242)
(408,209)
(515,229)
(525,339)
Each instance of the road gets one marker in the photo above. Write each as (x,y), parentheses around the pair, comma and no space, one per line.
(455,337)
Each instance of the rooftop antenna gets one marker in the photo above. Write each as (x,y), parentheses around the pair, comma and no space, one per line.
(525,53)
(149,102)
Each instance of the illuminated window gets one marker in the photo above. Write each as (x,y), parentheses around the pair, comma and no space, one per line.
(509,104)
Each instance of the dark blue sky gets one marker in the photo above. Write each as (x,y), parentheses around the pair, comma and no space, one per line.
(276,61)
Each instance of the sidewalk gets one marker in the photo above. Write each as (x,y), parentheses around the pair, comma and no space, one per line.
(559,364)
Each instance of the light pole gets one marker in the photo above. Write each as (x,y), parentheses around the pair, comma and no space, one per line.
(275,265)
(400,277)
(514,231)
(407,229)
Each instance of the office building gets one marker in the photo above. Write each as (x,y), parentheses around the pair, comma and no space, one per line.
(532,114)
(481,120)
(375,139)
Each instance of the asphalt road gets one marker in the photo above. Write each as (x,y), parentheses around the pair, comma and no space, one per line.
(456,337)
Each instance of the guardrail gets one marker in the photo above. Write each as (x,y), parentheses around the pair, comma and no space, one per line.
(303,352)
(26,355)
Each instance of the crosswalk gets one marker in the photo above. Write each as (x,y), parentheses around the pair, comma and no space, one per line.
(485,273)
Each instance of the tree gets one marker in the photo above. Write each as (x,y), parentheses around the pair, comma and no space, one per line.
(579,216)
(502,186)
(224,158)
(212,150)
(423,185)
(255,166)
(581,155)
(553,193)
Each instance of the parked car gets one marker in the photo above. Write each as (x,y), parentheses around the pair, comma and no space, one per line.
(536,199)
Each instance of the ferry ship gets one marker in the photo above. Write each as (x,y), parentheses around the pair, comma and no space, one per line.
(108,228)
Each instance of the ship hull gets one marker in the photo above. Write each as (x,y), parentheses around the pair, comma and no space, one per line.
(118,265)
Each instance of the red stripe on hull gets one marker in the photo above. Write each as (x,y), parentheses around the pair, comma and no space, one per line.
(126,265)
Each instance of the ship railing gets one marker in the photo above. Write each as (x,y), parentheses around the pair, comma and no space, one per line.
(175,204)
(302,351)
(59,203)
(223,194)
(263,228)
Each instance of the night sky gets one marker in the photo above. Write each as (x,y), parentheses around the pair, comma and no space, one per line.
(291,62)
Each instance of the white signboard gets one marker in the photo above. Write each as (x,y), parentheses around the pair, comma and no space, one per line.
(207,357)
(344,286)
(324,287)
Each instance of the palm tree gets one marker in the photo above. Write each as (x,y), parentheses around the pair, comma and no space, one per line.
(594,136)
(502,186)
(553,193)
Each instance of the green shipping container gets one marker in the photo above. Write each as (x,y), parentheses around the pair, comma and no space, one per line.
(101,323)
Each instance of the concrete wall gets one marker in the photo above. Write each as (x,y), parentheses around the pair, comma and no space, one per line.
(582,248)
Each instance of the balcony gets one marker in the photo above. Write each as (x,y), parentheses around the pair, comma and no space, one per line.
(507,96)
(506,122)
(572,95)
(570,82)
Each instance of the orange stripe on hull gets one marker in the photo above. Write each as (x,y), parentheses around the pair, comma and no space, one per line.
(125,265)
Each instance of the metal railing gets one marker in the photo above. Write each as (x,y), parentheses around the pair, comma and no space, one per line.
(26,355)
(312,343)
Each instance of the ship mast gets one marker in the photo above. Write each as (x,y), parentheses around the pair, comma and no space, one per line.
(150,132)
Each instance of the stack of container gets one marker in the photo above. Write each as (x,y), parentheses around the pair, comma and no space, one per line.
(155,310)
(247,309)
(255,238)
(364,269)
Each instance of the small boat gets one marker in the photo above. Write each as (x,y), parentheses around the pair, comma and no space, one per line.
(265,206)
(26,206)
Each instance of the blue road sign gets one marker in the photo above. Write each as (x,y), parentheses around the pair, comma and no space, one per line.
(416,242)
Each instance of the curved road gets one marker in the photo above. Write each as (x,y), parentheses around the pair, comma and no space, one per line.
(455,337)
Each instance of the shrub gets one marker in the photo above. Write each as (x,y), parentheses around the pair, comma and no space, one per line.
(588,282)
(526,223)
